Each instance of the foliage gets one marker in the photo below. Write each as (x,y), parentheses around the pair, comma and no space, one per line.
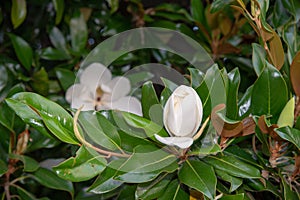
(249,148)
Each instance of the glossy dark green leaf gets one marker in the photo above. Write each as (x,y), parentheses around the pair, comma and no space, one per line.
(50,53)
(154,189)
(127,192)
(28,115)
(244,104)
(30,165)
(66,77)
(259,185)
(59,8)
(18,12)
(85,165)
(3,167)
(290,134)
(129,142)
(164,96)
(150,128)
(233,197)
(26,195)
(56,119)
(149,100)
(40,141)
(234,181)
(197,11)
(175,192)
(199,176)
(196,77)
(105,182)
(265,98)
(6,117)
(145,164)
(79,33)
(57,39)
(259,56)
(99,130)
(40,82)
(232,94)
(241,154)
(233,166)
(49,179)
(22,50)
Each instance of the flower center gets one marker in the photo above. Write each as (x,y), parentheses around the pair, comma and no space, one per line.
(99,94)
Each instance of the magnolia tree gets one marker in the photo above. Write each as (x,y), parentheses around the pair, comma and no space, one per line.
(158,132)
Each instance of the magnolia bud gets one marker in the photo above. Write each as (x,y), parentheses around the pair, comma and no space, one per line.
(182,117)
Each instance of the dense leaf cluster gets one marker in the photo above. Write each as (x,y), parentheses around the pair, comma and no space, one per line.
(251,101)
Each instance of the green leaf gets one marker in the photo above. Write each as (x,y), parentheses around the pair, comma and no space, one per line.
(233,197)
(79,33)
(86,165)
(290,134)
(218,5)
(40,82)
(257,185)
(50,53)
(7,117)
(40,141)
(24,194)
(199,176)
(49,179)
(3,167)
(145,164)
(28,115)
(244,104)
(174,192)
(59,8)
(288,191)
(232,94)
(22,50)
(212,90)
(99,130)
(154,189)
(105,182)
(265,97)
(197,11)
(150,128)
(259,56)
(235,182)
(286,117)
(18,12)
(66,77)
(56,119)
(149,102)
(196,77)
(57,38)
(242,155)
(30,165)
(233,166)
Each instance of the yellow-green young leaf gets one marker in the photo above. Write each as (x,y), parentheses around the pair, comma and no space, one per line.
(18,12)
(295,73)
(277,52)
(286,117)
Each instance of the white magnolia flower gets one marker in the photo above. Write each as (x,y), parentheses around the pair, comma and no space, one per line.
(182,117)
(97,90)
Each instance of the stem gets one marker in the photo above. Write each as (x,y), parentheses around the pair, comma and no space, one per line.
(84,142)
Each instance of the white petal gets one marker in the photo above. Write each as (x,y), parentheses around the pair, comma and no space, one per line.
(128,104)
(78,95)
(181,142)
(183,112)
(120,87)
(95,75)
